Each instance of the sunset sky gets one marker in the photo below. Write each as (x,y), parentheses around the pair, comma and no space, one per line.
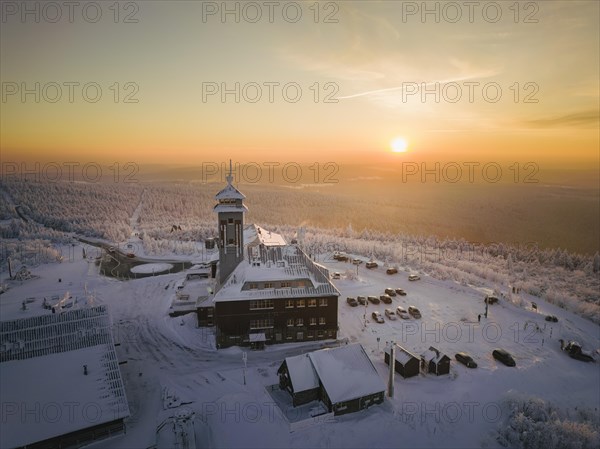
(373,57)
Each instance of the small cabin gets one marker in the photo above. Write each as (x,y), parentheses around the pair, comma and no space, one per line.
(435,362)
(298,377)
(406,363)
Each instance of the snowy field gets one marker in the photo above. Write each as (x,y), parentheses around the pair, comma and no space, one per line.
(172,365)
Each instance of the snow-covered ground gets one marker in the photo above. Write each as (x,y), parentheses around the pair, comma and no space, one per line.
(172,364)
(151,268)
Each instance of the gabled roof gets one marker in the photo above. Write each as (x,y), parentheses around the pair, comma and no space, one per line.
(255,235)
(346,372)
(402,355)
(302,373)
(433,355)
(230,192)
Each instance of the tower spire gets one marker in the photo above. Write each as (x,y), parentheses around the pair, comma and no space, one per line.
(229,177)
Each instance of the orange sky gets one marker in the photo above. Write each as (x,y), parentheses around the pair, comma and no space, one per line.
(375,63)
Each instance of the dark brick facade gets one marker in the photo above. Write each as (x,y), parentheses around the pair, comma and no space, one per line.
(235,320)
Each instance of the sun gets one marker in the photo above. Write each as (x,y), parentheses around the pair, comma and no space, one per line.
(399,145)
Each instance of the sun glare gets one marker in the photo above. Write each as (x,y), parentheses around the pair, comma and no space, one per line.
(399,145)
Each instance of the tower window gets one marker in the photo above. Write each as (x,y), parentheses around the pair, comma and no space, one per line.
(230,220)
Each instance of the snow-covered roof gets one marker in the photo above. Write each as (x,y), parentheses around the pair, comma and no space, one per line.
(302,373)
(433,355)
(58,397)
(230,192)
(402,355)
(287,263)
(255,235)
(197,290)
(346,372)
(230,208)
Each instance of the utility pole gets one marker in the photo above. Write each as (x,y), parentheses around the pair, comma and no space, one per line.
(392,369)
(245,359)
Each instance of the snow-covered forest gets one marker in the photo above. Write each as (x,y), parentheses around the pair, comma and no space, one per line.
(173,218)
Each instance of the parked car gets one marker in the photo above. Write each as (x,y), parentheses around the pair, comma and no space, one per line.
(361,300)
(371,264)
(574,350)
(390,314)
(377,317)
(340,256)
(413,277)
(401,292)
(356,261)
(391,270)
(491,299)
(336,275)
(504,357)
(373,299)
(352,301)
(552,318)
(401,311)
(466,360)
(386,299)
(414,312)
(390,291)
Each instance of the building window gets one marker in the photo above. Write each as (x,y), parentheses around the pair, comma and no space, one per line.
(301,284)
(300,303)
(310,334)
(299,322)
(261,304)
(230,242)
(285,284)
(289,303)
(312,303)
(264,323)
(290,322)
(313,321)
(323,302)
(230,220)
(253,286)
(321,320)
(268,285)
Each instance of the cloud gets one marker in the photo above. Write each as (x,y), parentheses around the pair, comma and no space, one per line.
(428,84)
(582,119)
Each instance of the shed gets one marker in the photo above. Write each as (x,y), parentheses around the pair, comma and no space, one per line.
(298,376)
(435,362)
(406,363)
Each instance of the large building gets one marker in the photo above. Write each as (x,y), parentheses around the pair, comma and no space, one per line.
(61,384)
(268,291)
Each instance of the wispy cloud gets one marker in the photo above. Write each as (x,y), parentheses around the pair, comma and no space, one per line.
(582,119)
(427,84)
